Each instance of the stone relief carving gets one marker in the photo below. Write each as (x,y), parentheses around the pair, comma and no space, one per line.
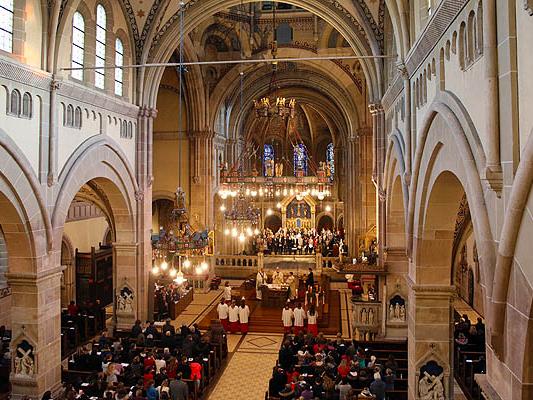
(23,362)
(397,312)
(125,300)
(430,385)
(528,6)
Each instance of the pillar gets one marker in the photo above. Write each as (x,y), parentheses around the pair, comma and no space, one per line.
(129,294)
(351,199)
(378,132)
(36,339)
(202,171)
(143,197)
(430,333)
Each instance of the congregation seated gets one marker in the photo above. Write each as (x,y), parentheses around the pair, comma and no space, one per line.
(150,363)
(312,367)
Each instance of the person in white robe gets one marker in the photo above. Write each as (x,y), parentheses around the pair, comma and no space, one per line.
(277,277)
(299,318)
(286,317)
(260,280)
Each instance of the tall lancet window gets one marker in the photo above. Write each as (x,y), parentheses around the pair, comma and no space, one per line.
(101,31)
(300,159)
(268,160)
(330,161)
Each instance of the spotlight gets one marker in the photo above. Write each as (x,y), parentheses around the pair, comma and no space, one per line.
(328,208)
(242,238)
(155,270)
(186,263)
(278,205)
(269,211)
(234,232)
(172,272)
(222,208)
(164,266)
(226,232)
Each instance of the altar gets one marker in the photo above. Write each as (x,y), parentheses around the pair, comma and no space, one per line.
(274,295)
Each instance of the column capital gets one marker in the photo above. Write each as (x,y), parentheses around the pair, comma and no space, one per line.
(429,290)
(201,134)
(147,112)
(376,108)
(402,69)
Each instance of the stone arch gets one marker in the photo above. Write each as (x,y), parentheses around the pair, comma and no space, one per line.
(461,139)
(101,171)
(273,222)
(28,238)
(325,220)
(163,43)
(512,296)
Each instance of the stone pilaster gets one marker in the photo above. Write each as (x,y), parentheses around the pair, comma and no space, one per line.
(36,340)
(430,333)
(202,182)
(378,129)
(130,295)
(352,201)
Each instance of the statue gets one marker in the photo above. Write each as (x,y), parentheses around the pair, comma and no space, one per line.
(370,317)
(391,312)
(364,317)
(430,387)
(402,312)
(125,300)
(180,199)
(23,363)
(397,311)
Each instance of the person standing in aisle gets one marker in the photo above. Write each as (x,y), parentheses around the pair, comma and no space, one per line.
(233,317)
(222,310)
(312,317)
(227,292)
(244,316)
(286,317)
(299,317)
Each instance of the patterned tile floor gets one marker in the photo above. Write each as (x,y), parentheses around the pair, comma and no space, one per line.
(249,369)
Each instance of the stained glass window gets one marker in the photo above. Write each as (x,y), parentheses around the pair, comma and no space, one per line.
(300,158)
(6,25)
(101,20)
(330,161)
(78,45)
(268,160)
(119,61)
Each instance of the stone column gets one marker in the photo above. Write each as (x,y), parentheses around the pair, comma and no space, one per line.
(129,294)
(202,164)
(36,340)
(143,197)
(430,333)
(378,129)
(352,203)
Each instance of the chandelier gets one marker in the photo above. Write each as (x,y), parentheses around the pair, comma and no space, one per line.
(280,106)
(178,242)
(242,218)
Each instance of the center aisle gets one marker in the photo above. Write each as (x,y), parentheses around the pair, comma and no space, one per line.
(249,367)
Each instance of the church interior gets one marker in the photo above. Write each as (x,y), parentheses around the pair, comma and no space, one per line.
(307,199)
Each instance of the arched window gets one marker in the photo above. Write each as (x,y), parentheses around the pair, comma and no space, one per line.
(6,25)
(78,45)
(119,61)
(101,20)
(130,130)
(14,103)
(26,105)
(77,118)
(330,161)
(268,160)
(300,159)
(124,129)
(70,116)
